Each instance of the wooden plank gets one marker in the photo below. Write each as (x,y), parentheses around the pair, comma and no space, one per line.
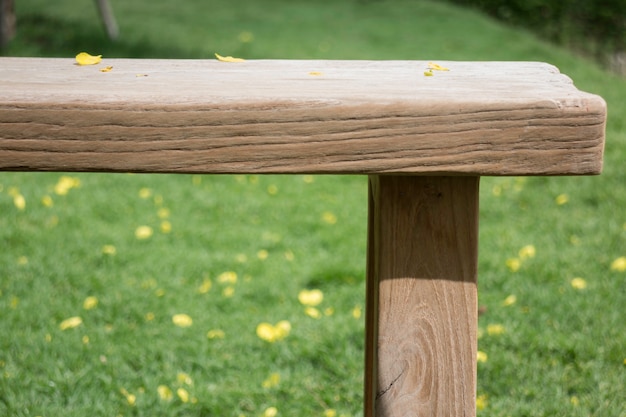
(421,316)
(275,116)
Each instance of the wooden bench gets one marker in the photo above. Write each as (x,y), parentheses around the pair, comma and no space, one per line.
(423,140)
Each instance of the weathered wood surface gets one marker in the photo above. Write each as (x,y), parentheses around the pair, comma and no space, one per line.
(421,316)
(275,116)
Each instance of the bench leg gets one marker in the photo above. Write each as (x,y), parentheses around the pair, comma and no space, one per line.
(421,313)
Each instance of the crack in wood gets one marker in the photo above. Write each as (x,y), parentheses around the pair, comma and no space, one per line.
(384,391)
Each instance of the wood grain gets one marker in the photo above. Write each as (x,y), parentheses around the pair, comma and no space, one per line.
(421,316)
(274,116)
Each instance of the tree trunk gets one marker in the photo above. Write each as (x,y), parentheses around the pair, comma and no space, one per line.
(7,21)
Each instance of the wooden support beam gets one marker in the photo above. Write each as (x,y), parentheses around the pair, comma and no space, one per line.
(421,316)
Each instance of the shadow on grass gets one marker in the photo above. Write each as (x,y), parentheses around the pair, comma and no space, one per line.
(47,36)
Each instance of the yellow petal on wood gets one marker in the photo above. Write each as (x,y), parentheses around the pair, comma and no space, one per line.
(228,58)
(106,69)
(85,59)
(437,67)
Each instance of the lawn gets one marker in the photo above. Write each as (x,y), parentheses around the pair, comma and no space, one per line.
(186,295)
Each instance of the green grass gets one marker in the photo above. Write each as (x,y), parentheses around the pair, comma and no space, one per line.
(562,351)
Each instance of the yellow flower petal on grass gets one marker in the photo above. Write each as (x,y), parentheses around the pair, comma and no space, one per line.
(527,251)
(215,334)
(184,378)
(165,393)
(228,277)
(310,297)
(205,287)
(329,217)
(561,199)
(481,356)
(514,264)
(109,250)
(272,380)
(182,320)
(143,232)
(84,58)
(270,412)
(619,264)
(90,303)
(312,312)
(182,394)
(19,201)
(47,201)
(70,323)
(481,402)
(228,58)
(578,283)
(65,184)
(272,333)
(510,300)
(166,227)
(130,398)
(495,329)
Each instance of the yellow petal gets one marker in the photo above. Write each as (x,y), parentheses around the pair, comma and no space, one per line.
(619,264)
(527,251)
(165,393)
(85,59)
(90,303)
(428,73)
(19,201)
(106,69)
(70,323)
(272,381)
(514,264)
(312,312)
(266,332)
(182,394)
(510,300)
(270,412)
(437,67)
(481,402)
(215,334)
(578,283)
(310,297)
(283,328)
(184,378)
(182,320)
(143,232)
(495,329)
(228,58)
(228,277)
